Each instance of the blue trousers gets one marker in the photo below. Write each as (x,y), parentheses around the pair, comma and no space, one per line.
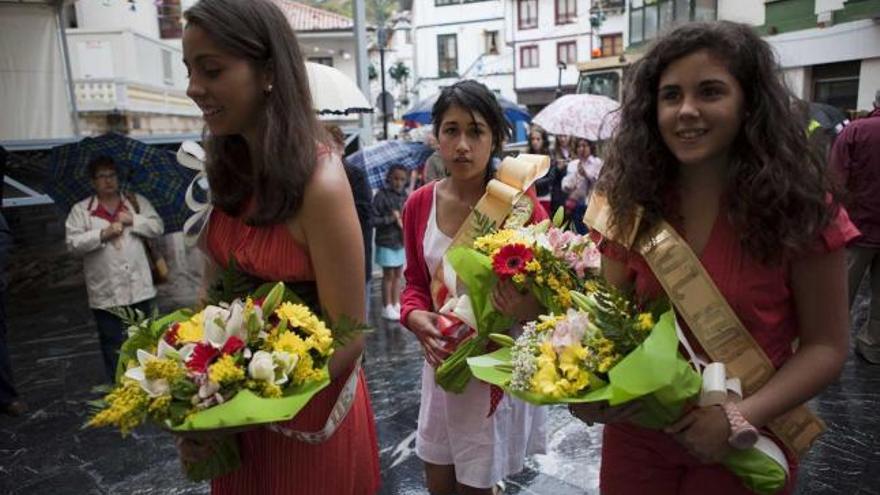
(7,389)
(112,333)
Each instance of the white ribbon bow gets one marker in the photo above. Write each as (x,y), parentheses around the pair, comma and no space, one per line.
(192,156)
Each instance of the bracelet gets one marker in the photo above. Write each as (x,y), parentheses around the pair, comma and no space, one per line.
(743,435)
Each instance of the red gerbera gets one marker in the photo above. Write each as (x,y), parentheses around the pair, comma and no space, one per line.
(170,336)
(511,259)
(201,357)
(233,344)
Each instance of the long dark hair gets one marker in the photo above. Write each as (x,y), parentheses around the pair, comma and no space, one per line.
(777,183)
(545,141)
(276,175)
(474,97)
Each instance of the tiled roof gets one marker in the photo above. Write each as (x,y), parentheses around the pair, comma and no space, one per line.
(307,18)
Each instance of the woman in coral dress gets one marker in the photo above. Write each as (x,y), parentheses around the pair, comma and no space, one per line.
(275,188)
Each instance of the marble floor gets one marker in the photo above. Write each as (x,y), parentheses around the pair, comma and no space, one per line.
(57,363)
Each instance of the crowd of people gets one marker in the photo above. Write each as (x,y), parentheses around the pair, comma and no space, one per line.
(765,217)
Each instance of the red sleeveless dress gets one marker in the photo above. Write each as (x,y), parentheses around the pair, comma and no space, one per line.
(271,463)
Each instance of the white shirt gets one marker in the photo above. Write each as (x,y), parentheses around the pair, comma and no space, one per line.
(578,185)
(115,275)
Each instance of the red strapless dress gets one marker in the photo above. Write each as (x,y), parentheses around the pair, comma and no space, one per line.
(271,463)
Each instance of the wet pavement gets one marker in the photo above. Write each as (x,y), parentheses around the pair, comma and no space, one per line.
(56,360)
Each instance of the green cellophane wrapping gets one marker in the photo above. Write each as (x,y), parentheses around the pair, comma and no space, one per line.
(656,374)
(475,271)
(244,409)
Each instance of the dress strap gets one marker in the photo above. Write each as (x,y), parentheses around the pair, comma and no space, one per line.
(337,414)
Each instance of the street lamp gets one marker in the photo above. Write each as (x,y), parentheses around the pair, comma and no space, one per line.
(382,39)
(561,65)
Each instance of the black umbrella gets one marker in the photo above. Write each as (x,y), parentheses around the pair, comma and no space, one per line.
(829,117)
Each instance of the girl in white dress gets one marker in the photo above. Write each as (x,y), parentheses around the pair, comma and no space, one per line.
(470,441)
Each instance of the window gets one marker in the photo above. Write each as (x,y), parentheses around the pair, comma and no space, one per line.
(566,11)
(566,51)
(527,13)
(649,18)
(528,57)
(328,61)
(447,55)
(491,42)
(837,84)
(612,44)
(168,12)
(167,70)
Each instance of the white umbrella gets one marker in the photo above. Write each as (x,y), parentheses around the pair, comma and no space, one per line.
(592,117)
(335,93)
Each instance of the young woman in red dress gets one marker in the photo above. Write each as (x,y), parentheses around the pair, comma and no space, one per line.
(708,142)
(275,188)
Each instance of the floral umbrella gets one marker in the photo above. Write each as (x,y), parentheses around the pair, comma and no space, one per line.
(592,117)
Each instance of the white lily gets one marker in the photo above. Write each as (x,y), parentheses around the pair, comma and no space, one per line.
(262,366)
(285,363)
(153,388)
(222,323)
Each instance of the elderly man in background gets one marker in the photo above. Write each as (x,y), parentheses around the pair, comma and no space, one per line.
(855,158)
(109,231)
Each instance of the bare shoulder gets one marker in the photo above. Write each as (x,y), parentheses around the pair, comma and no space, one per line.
(325,197)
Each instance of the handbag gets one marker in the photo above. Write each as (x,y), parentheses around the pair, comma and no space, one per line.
(158,265)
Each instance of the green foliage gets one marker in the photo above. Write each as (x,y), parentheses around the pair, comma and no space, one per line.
(399,72)
(232,284)
(482,224)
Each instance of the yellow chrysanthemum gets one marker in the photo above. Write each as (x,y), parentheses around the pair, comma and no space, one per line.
(533,266)
(270,390)
(192,330)
(489,244)
(519,279)
(607,363)
(321,343)
(570,360)
(290,343)
(297,315)
(156,369)
(646,322)
(305,371)
(225,371)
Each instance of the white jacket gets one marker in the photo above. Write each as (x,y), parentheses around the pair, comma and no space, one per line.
(577,184)
(115,276)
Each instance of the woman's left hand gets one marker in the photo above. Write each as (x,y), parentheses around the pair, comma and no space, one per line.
(704,433)
(508,300)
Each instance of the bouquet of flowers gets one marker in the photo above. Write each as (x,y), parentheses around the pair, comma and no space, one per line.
(253,360)
(540,258)
(605,349)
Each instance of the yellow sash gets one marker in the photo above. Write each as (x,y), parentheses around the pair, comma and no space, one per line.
(503,193)
(709,316)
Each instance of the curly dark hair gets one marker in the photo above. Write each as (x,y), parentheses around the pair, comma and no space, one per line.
(777,180)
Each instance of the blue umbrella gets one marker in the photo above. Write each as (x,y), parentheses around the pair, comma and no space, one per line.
(378,158)
(147,170)
(421,112)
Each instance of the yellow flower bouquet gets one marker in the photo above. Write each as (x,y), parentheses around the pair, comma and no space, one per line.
(251,361)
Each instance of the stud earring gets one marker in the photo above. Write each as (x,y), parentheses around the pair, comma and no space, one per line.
(268,89)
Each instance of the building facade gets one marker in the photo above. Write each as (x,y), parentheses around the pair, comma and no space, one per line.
(127,68)
(461,39)
(550,37)
(829,50)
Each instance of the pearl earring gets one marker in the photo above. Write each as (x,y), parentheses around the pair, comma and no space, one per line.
(268,89)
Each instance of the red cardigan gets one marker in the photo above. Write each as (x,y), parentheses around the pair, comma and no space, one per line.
(417,292)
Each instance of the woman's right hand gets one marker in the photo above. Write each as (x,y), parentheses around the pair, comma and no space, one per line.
(424,325)
(602,412)
(195,449)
